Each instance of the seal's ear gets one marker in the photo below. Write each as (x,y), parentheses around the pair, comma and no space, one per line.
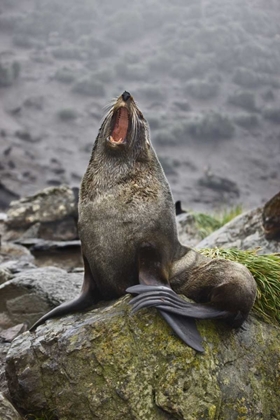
(178,208)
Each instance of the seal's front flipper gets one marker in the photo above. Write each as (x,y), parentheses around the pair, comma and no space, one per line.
(85,301)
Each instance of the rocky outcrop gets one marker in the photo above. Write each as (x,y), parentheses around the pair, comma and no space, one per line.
(109,364)
(188,230)
(50,214)
(243,232)
(7,411)
(10,251)
(31,293)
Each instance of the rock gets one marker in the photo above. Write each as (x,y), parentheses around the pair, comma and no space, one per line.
(10,334)
(6,196)
(4,348)
(32,293)
(3,217)
(9,72)
(219,184)
(5,274)
(109,364)
(243,232)
(48,205)
(188,232)
(15,266)
(27,136)
(10,251)
(50,214)
(7,411)
(34,102)
(63,254)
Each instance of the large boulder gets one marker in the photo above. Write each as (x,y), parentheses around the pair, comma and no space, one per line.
(31,293)
(109,364)
(50,214)
(243,232)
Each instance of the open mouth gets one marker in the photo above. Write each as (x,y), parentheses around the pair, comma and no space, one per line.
(120,125)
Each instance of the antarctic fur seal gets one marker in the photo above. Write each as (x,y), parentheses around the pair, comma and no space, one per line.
(129,237)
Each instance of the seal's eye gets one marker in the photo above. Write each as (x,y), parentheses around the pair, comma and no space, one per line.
(120,127)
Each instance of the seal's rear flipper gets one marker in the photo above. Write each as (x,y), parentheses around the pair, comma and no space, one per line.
(185,328)
(154,290)
(172,308)
(177,312)
(167,300)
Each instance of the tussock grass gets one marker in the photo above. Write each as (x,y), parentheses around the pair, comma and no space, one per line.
(266,271)
(206,223)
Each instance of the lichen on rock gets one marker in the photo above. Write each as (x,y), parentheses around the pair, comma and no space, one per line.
(110,364)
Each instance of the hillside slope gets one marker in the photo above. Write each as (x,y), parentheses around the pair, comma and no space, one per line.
(205,73)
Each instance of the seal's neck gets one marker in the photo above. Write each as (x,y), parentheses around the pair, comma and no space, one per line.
(107,171)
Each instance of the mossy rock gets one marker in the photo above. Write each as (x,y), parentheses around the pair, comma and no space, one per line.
(109,364)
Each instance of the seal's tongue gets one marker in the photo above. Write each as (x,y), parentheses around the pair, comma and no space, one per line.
(121,126)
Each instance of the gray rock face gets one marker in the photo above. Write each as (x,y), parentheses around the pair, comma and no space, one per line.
(243,232)
(4,348)
(109,364)
(187,230)
(5,274)
(13,252)
(7,411)
(50,214)
(32,293)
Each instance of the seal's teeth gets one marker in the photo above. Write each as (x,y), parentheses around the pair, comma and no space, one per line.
(112,140)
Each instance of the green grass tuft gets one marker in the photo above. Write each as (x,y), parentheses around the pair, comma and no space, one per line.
(206,223)
(266,271)
(228,214)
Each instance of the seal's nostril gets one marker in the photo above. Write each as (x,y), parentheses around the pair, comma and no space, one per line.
(126,95)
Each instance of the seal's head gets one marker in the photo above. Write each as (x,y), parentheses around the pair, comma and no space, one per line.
(124,128)
(121,151)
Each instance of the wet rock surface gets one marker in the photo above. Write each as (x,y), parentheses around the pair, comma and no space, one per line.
(71,366)
(33,292)
(50,214)
(187,229)
(110,364)
(7,411)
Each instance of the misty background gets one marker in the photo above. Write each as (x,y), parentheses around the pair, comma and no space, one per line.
(205,73)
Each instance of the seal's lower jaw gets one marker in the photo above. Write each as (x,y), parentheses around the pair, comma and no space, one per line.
(119,128)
